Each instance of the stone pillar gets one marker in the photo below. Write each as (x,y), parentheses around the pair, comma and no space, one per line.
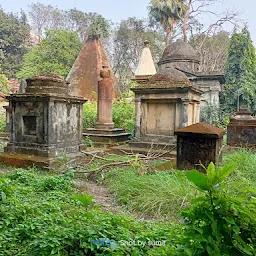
(105,97)
(197,112)
(137,117)
(184,117)
(7,118)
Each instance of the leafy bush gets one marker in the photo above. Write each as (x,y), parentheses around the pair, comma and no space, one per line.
(2,123)
(90,114)
(213,115)
(216,223)
(123,114)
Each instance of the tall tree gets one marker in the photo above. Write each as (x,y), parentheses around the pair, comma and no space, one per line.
(168,13)
(47,17)
(240,73)
(14,40)
(124,48)
(55,54)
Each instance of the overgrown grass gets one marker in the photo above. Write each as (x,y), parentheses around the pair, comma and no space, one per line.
(163,194)
(166,194)
(38,216)
(243,179)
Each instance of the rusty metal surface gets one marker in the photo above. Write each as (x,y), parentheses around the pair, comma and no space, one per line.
(195,150)
(201,128)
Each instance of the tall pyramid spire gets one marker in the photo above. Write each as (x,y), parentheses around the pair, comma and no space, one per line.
(85,72)
(146,65)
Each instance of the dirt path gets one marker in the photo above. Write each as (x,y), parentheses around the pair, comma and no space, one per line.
(100,193)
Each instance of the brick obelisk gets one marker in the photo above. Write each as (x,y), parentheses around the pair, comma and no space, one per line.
(105,98)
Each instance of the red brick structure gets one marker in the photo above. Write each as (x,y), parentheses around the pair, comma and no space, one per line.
(85,73)
(105,97)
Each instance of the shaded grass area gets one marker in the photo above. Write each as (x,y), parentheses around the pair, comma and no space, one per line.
(39,216)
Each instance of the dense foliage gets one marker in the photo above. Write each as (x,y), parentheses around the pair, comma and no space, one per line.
(55,54)
(4,84)
(240,73)
(14,41)
(123,114)
(39,215)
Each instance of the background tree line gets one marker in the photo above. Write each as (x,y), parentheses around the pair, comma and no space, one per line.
(60,35)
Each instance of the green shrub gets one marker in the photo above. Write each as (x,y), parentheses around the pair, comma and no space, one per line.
(213,115)
(90,114)
(216,223)
(2,123)
(123,114)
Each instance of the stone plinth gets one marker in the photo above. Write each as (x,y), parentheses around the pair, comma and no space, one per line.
(199,143)
(241,130)
(45,121)
(107,137)
(164,104)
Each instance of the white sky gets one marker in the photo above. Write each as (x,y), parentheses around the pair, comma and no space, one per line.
(117,10)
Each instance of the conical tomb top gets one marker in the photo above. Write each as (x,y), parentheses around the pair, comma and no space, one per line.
(85,73)
(146,65)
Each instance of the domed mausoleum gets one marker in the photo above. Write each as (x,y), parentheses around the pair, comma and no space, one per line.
(183,57)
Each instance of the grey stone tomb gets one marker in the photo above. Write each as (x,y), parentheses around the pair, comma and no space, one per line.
(45,121)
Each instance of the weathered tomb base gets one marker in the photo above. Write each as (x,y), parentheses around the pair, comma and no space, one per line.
(106,137)
(241,131)
(25,160)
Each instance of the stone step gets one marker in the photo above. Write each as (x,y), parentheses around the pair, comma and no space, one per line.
(104,131)
(85,134)
(4,136)
(150,145)
(126,148)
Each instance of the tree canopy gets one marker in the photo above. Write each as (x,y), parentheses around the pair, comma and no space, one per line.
(240,73)
(167,12)
(14,40)
(56,54)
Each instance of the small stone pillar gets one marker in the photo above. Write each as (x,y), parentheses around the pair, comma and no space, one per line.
(241,131)
(7,118)
(199,143)
(105,97)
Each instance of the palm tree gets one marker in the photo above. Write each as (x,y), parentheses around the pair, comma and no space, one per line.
(168,13)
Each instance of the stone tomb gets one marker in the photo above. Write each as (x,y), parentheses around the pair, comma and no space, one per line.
(45,121)
(241,130)
(164,104)
(199,143)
